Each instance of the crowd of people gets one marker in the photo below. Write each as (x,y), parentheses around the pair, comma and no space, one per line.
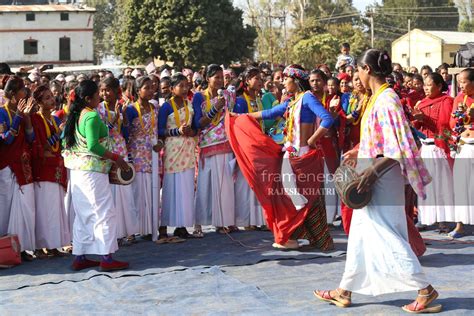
(208,146)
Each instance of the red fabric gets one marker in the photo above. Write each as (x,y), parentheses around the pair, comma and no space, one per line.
(346,214)
(459,99)
(17,156)
(414,238)
(413,97)
(45,167)
(260,160)
(190,95)
(437,115)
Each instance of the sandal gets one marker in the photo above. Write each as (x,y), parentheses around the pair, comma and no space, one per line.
(222,230)
(326,296)
(418,308)
(233,229)
(455,234)
(198,234)
(175,240)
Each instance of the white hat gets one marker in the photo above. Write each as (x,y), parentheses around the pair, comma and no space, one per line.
(34,77)
(150,68)
(60,77)
(137,73)
(165,73)
(70,78)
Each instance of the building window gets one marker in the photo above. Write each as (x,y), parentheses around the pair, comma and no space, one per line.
(30,47)
(452,54)
(427,55)
(64,16)
(404,56)
(65,48)
(30,16)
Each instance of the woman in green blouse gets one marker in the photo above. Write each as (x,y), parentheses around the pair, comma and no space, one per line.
(87,154)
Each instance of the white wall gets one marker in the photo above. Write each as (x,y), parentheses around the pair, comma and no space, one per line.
(48,41)
(45,20)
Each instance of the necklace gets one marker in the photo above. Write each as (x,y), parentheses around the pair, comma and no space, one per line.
(176,112)
(152,112)
(55,147)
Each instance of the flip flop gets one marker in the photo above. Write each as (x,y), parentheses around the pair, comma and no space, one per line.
(325,296)
(282,247)
(175,240)
(421,309)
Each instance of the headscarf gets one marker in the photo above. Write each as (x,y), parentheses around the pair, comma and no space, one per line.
(344,76)
(293,72)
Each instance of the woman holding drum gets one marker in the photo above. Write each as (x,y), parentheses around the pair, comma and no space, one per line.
(87,153)
(379,257)
(110,111)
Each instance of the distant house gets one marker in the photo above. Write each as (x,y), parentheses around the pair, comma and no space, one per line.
(46,34)
(418,48)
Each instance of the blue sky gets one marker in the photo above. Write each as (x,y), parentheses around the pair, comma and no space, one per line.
(359,4)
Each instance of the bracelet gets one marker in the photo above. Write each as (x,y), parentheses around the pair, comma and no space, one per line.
(115,157)
(174,132)
(355,114)
(160,142)
(212,113)
(375,171)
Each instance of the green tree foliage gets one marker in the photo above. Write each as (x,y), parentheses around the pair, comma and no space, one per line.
(186,32)
(321,27)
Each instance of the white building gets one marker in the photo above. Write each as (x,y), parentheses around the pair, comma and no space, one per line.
(46,34)
(432,48)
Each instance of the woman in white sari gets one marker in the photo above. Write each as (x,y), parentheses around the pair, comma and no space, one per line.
(379,257)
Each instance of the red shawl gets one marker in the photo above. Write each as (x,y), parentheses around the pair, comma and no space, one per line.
(45,167)
(260,160)
(17,156)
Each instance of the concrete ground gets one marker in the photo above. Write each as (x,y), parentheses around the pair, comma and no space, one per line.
(219,274)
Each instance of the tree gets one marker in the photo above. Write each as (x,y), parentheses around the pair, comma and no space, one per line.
(103,26)
(185,32)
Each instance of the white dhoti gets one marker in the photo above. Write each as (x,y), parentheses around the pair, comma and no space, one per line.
(464,184)
(52,226)
(148,211)
(178,199)
(333,205)
(127,215)
(379,257)
(439,203)
(7,184)
(22,216)
(215,192)
(248,211)
(95,224)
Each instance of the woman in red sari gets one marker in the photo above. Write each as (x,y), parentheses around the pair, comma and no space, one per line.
(16,178)
(287,183)
(50,176)
(432,115)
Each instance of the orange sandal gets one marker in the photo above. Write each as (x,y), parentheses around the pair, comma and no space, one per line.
(326,296)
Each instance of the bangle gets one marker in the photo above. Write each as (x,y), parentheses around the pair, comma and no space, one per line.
(160,141)
(355,114)
(212,113)
(115,157)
